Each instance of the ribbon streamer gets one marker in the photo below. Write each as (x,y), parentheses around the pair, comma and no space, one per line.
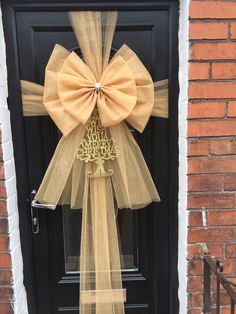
(97,159)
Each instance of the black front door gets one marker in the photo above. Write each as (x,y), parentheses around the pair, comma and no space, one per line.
(148,236)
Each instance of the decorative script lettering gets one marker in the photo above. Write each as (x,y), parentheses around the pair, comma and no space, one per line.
(97,145)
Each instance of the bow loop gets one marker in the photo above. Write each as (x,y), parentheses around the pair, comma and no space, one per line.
(145,89)
(71,94)
(118,93)
(76,88)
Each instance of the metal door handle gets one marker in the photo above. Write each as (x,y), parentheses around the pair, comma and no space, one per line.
(35,205)
(34,214)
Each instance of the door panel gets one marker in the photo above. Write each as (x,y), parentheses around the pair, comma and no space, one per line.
(128,234)
(148,236)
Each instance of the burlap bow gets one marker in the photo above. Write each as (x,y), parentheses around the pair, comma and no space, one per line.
(89,100)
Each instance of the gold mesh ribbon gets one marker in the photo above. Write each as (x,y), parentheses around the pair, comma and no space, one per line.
(97,159)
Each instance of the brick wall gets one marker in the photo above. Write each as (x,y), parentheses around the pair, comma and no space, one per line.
(12,291)
(211,142)
(211,157)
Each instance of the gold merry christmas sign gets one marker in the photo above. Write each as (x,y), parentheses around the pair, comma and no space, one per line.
(97,145)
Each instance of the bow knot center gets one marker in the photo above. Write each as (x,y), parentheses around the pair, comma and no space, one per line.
(98,87)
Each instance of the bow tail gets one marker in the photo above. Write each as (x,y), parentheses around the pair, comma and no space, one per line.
(132,181)
(94,32)
(101,284)
(56,183)
(101,281)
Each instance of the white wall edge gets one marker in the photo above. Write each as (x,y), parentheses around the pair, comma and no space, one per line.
(182,198)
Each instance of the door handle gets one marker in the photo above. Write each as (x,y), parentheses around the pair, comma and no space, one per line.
(35,205)
(34,214)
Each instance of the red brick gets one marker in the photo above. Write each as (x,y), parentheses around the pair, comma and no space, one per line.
(195,268)
(208,30)
(6,308)
(223,147)
(197,147)
(2,174)
(3,208)
(221,218)
(212,165)
(4,243)
(212,9)
(6,294)
(194,251)
(194,311)
(212,128)
(3,226)
(214,250)
(230,183)
(211,201)
(230,250)
(232,109)
(233,30)
(195,299)
(204,183)
(225,310)
(212,90)
(229,266)
(195,284)
(199,71)
(210,234)
(225,70)
(213,51)
(5,277)
(206,110)
(195,218)
(2,189)
(5,260)
(224,298)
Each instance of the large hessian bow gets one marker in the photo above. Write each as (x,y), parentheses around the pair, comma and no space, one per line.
(89,99)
